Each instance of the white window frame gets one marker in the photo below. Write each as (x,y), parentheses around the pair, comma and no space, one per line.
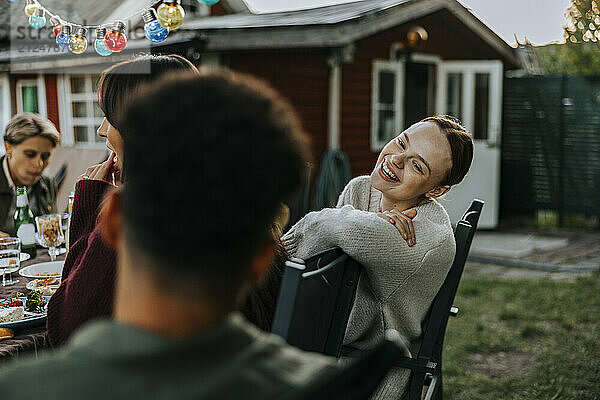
(40,83)
(397,67)
(65,100)
(469,69)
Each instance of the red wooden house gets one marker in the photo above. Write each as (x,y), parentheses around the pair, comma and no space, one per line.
(358,74)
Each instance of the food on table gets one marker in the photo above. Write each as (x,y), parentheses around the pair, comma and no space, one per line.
(16,303)
(35,302)
(41,274)
(50,230)
(11,314)
(6,333)
(47,281)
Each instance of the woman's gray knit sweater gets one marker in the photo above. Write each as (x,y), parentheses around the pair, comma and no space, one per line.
(398,282)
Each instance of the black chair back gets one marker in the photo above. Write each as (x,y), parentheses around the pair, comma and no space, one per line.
(315,301)
(434,330)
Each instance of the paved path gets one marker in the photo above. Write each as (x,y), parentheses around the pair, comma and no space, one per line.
(572,248)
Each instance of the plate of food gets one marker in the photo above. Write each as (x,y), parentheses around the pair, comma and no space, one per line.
(47,286)
(43,270)
(23,311)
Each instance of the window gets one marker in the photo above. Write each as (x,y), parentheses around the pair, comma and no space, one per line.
(31,96)
(386,102)
(454,95)
(80,111)
(482,96)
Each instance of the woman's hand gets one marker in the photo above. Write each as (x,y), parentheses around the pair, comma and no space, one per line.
(403,222)
(104,172)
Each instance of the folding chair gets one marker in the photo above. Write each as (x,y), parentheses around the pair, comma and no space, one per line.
(315,301)
(307,314)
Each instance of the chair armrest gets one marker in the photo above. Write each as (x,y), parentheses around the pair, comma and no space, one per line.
(453,311)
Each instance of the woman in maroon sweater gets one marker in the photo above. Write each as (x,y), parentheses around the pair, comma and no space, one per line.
(88,277)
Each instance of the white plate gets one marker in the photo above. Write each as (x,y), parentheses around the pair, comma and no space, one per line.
(53,268)
(24,257)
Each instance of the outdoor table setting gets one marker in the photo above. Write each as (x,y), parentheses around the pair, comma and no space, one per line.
(28,337)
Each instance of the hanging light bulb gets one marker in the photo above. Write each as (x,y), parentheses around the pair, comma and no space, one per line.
(30,8)
(209,2)
(99,44)
(56,25)
(115,39)
(37,20)
(154,31)
(62,40)
(78,41)
(171,14)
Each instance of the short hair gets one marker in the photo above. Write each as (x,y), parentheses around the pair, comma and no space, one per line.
(209,158)
(25,126)
(118,84)
(461,147)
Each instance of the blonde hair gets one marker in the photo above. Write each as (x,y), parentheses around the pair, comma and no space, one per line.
(24,126)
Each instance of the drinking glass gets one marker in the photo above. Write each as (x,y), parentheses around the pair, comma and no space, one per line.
(49,233)
(10,261)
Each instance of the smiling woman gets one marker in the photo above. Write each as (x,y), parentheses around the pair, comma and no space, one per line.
(29,140)
(392,225)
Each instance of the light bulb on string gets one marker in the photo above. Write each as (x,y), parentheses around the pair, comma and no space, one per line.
(30,8)
(209,2)
(154,31)
(38,19)
(170,14)
(56,25)
(115,39)
(99,44)
(62,40)
(78,40)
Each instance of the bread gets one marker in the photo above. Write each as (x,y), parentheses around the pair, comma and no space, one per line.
(11,314)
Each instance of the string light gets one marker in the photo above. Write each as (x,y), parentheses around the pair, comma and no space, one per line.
(159,19)
(115,39)
(78,41)
(56,25)
(30,8)
(99,44)
(171,14)
(154,31)
(62,40)
(37,20)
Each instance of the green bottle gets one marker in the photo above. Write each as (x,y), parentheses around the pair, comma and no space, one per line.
(24,223)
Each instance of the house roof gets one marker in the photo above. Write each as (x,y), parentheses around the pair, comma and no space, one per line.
(315,16)
(333,26)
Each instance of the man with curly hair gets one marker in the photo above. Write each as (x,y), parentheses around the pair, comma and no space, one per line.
(209,160)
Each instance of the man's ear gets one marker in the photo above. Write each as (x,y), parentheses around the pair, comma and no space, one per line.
(262,261)
(437,192)
(8,148)
(111,218)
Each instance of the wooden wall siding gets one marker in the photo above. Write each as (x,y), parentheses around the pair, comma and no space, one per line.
(301,76)
(448,38)
(52,99)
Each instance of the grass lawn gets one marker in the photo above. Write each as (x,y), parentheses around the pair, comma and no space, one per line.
(524,339)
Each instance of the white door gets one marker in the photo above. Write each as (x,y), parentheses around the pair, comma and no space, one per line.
(472,92)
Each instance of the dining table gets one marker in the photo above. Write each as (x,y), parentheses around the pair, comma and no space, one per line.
(27,341)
